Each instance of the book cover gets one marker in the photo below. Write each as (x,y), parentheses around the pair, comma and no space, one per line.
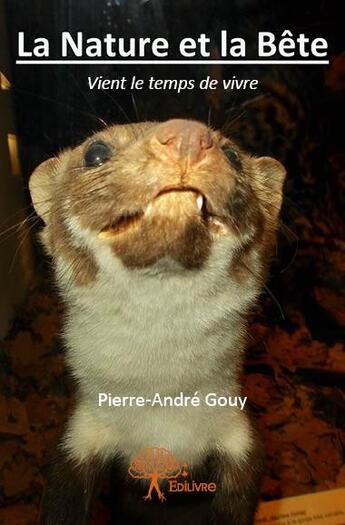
(171,262)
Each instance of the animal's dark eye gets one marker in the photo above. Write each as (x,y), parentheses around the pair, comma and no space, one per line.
(97,153)
(233,157)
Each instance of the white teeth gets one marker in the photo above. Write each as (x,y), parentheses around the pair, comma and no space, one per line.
(200,202)
(148,209)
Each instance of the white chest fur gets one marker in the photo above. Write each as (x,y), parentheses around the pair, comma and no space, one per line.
(135,333)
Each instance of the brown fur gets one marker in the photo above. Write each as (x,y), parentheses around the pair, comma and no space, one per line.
(243,192)
(70,491)
(142,203)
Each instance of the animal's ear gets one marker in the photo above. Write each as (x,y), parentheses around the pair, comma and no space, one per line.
(270,175)
(41,186)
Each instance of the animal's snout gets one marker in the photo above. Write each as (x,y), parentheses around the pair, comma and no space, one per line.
(184,140)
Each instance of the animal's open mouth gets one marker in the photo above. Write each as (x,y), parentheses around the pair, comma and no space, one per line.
(122,224)
(131,220)
(200,199)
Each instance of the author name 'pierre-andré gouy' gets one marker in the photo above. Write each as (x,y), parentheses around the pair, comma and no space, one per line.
(211,399)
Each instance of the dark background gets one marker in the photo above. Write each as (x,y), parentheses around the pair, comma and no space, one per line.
(55,108)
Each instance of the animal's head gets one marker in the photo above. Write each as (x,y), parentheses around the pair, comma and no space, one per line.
(156,196)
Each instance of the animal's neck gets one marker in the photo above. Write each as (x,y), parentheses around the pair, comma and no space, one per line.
(167,320)
(137,328)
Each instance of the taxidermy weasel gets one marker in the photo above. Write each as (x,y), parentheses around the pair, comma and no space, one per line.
(160,236)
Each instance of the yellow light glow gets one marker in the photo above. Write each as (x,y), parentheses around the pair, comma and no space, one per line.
(13,153)
(4,82)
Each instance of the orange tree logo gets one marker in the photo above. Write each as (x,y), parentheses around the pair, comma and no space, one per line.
(156,464)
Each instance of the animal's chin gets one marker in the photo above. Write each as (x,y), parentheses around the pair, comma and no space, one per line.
(173,208)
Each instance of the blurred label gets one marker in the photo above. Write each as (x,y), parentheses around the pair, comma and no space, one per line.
(320,508)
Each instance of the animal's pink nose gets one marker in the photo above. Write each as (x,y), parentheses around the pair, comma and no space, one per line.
(184,139)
